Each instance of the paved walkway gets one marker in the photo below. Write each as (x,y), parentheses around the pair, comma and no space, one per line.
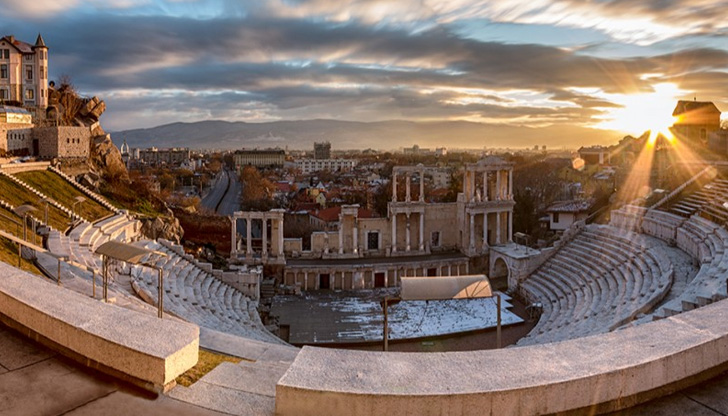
(37,381)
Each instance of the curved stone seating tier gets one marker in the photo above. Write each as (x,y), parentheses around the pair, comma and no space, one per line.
(85,238)
(706,242)
(591,375)
(707,201)
(197,296)
(134,346)
(600,280)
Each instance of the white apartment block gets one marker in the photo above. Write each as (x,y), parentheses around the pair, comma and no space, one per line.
(332,165)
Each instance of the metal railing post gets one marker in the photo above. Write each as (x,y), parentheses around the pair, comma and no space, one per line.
(160,301)
(498,329)
(106,277)
(385,335)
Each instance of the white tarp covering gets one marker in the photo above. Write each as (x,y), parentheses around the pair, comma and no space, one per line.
(442,287)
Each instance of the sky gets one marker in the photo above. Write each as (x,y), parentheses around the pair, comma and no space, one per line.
(605,64)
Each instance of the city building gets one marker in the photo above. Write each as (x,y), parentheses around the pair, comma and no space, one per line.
(307,166)
(595,155)
(24,72)
(20,137)
(696,120)
(16,130)
(259,158)
(322,150)
(564,214)
(169,157)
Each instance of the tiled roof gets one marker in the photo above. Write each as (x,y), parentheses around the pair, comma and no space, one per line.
(332,214)
(685,106)
(576,205)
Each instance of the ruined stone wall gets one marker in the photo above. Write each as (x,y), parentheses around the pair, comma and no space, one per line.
(14,138)
(442,218)
(63,141)
(380,225)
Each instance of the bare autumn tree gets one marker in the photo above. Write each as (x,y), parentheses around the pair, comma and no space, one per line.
(68,98)
(257,191)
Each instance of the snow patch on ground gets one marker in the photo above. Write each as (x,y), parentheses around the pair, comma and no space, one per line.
(340,317)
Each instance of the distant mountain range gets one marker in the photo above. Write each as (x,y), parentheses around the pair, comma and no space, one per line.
(383,135)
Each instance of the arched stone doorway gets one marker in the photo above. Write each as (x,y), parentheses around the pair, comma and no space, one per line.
(500,269)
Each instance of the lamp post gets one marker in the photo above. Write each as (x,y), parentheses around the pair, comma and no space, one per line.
(23,211)
(79,199)
(46,201)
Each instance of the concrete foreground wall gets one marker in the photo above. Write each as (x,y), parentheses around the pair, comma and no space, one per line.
(139,348)
(601,373)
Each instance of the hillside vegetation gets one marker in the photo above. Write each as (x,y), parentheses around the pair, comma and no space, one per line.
(63,192)
(16,195)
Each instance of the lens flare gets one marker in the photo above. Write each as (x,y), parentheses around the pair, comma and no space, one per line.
(639,113)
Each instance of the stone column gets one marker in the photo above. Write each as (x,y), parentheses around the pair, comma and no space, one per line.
(498,228)
(472,231)
(422,186)
(498,190)
(422,231)
(280,237)
(264,230)
(248,237)
(356,238)
(341,234)
(449,269)
(407,195)
(485,230)
(510,184)
(233,237)
(485,185)
(326,242)
(408,236)
(394,232)
(510,226)
(466,185)
(394,187)
(305,280)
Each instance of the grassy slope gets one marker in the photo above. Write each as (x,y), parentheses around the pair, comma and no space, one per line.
(63,192)
(15,194)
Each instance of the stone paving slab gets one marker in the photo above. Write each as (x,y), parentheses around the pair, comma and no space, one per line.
(17,353)
(245,348)
(122,403)
(675,405)
(225,399)
(48,387)
(246,377)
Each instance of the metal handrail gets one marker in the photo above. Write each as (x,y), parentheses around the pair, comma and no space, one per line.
(65,259)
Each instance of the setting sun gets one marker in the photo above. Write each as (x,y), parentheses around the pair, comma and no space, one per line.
(641,112)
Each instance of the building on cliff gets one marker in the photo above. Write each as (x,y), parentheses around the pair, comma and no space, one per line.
(24,73)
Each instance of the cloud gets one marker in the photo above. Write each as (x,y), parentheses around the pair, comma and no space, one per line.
(37,8)
(270,61)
